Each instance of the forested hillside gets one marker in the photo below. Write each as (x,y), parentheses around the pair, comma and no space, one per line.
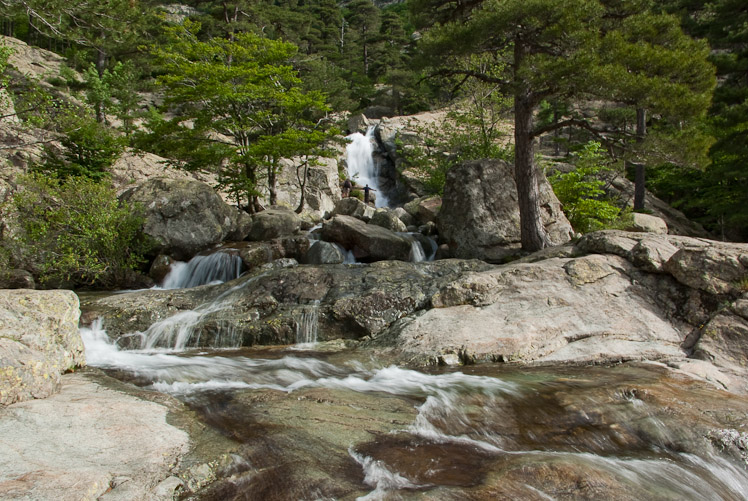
(635,77)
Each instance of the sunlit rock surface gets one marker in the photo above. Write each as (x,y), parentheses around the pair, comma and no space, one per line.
(39,341)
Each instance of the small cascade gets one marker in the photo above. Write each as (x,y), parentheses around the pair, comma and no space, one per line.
(213,268)
(416,251)
(307,321)
(362,168)
(348,257)
(184,329)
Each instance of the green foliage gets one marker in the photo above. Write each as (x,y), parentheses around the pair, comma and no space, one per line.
(563,50)
(89,149)
(75,232)
(581,191)
(113,91)
(241,107)
(475,129)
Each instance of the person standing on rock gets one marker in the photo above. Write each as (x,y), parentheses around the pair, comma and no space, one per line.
(366,193)
(347,186)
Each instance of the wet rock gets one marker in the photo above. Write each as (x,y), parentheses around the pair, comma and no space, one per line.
(276,222)
(368,242)
(358,123)
(259,308)
(39,341)
(255,254)
(160,267)
(479,217)
(323,253)
(185,217)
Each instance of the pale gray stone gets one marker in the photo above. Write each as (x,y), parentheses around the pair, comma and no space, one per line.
(39,341)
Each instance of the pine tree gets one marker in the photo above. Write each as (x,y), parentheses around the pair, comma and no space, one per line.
(241,107)
(569,49)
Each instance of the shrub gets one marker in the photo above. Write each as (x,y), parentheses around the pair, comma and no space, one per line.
(89,149)
(581,191)
(73,231)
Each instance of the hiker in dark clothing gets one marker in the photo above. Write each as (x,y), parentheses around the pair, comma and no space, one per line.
(366,193)
(347,186)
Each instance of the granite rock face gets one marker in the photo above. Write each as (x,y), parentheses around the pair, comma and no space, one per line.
(368,242)
(185,217)
(39,341)
(479,215)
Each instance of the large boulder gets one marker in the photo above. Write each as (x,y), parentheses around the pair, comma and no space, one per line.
(388,219)
(479,216)
(718,268)
(39,341)
(322,252)
(424,209)
(321,192)
(351,206)
(275,222)
(367,241)
(556,310)
(185,217)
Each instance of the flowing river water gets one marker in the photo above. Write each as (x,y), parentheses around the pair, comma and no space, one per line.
(338,420)
(326,421)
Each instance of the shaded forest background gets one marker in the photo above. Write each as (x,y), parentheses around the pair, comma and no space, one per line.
(364,55)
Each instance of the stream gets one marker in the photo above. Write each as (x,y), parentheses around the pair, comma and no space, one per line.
(336,420)
(329,422)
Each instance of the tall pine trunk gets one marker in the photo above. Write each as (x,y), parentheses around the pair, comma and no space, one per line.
(640,172)
(532,231)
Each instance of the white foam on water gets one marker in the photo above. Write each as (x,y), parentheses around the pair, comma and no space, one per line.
(377,475)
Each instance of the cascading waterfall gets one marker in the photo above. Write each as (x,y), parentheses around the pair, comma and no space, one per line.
(183,330)
(213,268)
(417,252)
(362,168)
(307,320)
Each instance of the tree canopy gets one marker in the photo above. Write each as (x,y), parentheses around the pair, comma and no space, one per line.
(565,49)
(240,106)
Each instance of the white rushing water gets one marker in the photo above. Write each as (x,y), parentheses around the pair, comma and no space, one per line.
(362,169)
(213,268)
(307,323)
(455,408)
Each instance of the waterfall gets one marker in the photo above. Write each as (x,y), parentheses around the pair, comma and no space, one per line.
(200,270)
(416,251)
(307,321)
(362,169)
(185,328)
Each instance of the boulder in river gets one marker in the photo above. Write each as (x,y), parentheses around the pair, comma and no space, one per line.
(185,217)
(368,242)
(274,222)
